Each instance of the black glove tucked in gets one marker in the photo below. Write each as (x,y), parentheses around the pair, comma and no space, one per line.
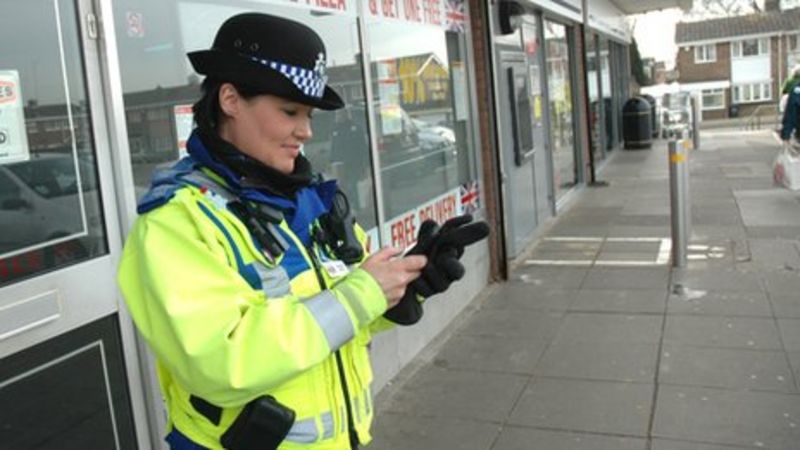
(443,247)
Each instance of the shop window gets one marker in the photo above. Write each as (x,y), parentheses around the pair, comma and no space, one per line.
(705,53)
(713,99)
(754,92)
(153,39)
(421,107)
(750,47)
(50,207)
(562,133)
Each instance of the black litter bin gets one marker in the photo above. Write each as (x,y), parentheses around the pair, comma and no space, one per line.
(637,130)
(733,111)
(654,122)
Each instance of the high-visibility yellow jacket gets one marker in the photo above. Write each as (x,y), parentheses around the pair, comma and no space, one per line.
(227,324)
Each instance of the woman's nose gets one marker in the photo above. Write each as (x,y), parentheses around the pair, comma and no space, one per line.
(303,129)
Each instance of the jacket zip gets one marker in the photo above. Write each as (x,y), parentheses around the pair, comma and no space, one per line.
(339,364)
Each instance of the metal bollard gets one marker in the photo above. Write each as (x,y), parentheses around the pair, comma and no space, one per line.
(680,208)
(695,123)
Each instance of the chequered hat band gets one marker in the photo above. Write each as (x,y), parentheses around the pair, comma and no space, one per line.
(309,82)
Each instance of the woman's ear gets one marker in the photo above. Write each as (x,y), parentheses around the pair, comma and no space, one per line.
(229,100)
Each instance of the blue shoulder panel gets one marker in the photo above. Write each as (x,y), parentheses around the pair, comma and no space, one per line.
(164,184)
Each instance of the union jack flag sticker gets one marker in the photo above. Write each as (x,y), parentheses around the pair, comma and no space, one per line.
(455,15)
(470,197)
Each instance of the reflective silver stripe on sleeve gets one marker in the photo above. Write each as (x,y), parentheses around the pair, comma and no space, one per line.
(303,431)
(332,317)
(367,401)
(357,408)
(353,300)
(274,281)
(342,414)
(327,425)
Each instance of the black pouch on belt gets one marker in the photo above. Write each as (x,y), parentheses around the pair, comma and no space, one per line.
(262,425)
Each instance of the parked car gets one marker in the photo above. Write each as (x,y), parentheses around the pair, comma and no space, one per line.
(40,201)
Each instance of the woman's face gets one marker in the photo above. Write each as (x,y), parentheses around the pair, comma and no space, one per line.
(269,129)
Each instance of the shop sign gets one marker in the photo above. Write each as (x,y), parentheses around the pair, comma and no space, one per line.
(184,121)
(341,6)
(448,14)
(401,231)
(13,136)
(134,24)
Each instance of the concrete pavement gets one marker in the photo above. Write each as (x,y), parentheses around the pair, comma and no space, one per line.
(597,343)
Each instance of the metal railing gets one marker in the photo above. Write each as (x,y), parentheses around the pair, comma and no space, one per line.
(756,119)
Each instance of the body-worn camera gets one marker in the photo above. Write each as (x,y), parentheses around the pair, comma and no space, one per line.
(262,425)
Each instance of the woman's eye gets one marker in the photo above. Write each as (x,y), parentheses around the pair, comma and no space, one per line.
(290,112)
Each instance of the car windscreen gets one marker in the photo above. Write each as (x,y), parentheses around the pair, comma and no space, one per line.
(48,177)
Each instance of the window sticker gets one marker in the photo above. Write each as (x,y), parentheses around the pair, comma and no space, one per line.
(184,122)
(13,137)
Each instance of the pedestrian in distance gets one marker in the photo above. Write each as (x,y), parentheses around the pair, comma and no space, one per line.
(788,86)
(246,273)
(790,125)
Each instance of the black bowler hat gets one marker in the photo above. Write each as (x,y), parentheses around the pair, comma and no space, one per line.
(279,56)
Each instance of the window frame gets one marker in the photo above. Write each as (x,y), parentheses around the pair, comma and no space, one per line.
(715,91)
(762,48)
(703,53)
(747,92)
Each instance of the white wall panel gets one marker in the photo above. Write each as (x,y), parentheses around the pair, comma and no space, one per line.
(751,69)
(607,18)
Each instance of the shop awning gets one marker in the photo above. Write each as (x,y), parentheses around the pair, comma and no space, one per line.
(642,6)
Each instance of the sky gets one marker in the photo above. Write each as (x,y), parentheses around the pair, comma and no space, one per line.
(655,34)
(655,31)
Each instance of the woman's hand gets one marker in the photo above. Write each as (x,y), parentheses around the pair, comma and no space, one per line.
(393,274)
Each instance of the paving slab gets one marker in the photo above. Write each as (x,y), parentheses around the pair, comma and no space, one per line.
(794,360)
(723,416)
(411,431)
(790,332)
(754,333)
(550,276)
(725,303)
(783,283)
(578,405)
(670,444)
(491,354)
(613,361)
(523,438)
(621,301)
(786,305)
(626,278)
(614,328)
(515,294)
(768,207)
(717,280)
(515,323)
(458,394)
(764,370)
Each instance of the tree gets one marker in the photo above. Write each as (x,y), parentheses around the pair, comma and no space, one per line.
(637,68)
(713,8)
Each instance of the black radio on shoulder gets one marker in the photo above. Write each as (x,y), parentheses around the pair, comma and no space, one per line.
(337,231)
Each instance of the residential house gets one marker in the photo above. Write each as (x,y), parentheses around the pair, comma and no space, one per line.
(738,64)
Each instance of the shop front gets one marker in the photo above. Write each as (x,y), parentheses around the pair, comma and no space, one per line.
(559,66)
(87,112)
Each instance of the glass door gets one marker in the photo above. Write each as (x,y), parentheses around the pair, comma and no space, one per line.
(62,374)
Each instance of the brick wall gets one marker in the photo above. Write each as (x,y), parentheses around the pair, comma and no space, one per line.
(689,72)
(489,177)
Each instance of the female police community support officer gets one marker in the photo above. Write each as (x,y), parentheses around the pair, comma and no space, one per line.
(244,272)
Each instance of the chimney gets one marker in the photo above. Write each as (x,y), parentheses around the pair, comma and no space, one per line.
(772,5)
